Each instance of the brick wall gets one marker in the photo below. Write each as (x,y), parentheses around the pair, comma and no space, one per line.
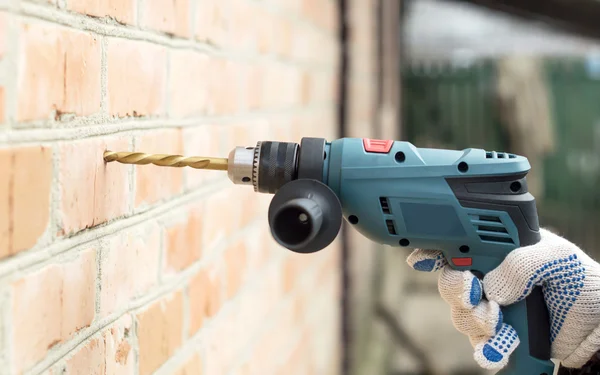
(120,269)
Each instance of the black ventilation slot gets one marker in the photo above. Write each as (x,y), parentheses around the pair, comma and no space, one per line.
(486,228)
(391,227)
(496,239)
(385,206)
(498,155)
(493,219)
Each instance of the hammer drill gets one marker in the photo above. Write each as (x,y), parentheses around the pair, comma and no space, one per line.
(471,204)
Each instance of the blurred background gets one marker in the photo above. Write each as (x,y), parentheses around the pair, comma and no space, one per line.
(514,76)
(108,268)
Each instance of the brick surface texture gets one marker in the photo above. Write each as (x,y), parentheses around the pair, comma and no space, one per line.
(121,269)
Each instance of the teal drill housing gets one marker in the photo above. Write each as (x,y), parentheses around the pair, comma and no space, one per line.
(471,204)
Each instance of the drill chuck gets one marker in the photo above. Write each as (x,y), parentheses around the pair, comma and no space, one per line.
(269,165)
(266,166)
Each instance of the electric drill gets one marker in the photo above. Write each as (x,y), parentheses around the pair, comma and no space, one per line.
(471,204)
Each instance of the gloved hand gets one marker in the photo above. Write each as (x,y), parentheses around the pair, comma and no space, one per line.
(571,286)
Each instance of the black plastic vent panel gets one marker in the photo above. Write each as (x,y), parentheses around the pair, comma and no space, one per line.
(491,229)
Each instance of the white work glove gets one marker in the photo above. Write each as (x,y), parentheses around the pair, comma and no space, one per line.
(571,286)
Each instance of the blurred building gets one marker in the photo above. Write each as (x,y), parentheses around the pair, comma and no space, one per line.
(477,77)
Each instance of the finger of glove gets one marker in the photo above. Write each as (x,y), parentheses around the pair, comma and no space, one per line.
(427,260)
(460,289)
(484,320)
(530,266)
(494,353)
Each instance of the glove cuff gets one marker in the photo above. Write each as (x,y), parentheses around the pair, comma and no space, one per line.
(586,356)
(590,368)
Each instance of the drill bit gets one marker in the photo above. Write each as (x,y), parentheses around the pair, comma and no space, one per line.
(166,160)
(262,166)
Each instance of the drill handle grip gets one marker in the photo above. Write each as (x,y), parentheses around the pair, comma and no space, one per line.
(531,320)
(529,317)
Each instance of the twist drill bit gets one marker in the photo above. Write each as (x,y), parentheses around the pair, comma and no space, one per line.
(165,160)
(245,165)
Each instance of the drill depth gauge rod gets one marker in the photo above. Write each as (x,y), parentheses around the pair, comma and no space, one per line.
(471,204)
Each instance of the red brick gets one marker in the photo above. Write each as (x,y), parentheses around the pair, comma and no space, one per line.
(224,92)
(155,183)
(236,259)
(249,132)
(291,95)
(169,16)
(121,10)
(274,343)
(250,203)
(211,21)
(159,331)
(291,272)
(305,88)
(129,267)
(120,356)
(271,86)
(204,14)
(106,353)
(60,298)
(59,70)
(92,191)
(299,361)
(281,131)
(6,209)
(242,28)
(200,291)
(202,141)
(322,88)
(285,36)
(256,250)
(193,366)
(216,278)
(250,27)
(223,212)
(188,89)
(136,78)
(265,36)
(330,18)
(330,266)
(24,197)
(184,241)
(205,297)
(91,359)
(313,8)
(254,87)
